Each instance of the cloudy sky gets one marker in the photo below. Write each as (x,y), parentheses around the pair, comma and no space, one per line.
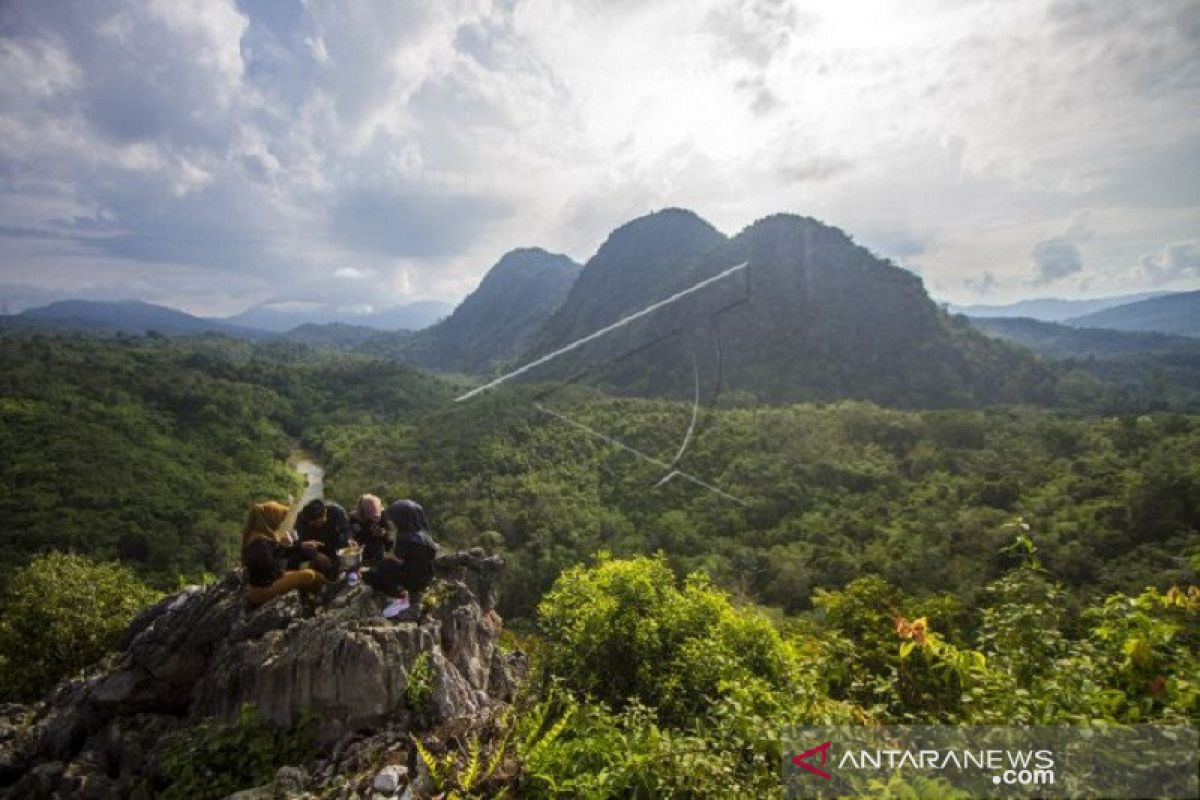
(219,154)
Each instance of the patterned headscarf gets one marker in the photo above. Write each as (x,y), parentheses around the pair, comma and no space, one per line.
(264,520)
(370,508)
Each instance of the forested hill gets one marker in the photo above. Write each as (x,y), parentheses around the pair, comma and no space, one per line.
(1177,313)
(128,316)
(151,449)
(639,263)
(812,315)
(1155,370)
(495,322)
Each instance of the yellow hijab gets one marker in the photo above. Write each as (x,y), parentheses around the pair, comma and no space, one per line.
(264,520)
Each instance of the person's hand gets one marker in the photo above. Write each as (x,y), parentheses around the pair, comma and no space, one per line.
(310,544)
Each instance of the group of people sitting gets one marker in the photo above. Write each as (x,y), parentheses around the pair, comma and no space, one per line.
(396,549)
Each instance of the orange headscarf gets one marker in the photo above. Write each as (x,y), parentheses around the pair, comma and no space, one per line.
(264,520)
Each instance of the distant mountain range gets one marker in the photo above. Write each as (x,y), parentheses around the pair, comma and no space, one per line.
(130,316)
(280,318)
(790,309)
(1051,309)
(136,317)
(1177,313)
(1157,370)
(1066,341)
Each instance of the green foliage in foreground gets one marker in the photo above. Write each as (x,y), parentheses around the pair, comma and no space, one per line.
(623,633)
(627,705)
(418,685)
(215,759)
(60,614)
(652,688)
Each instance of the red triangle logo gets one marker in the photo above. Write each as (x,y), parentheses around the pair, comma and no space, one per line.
(802,760)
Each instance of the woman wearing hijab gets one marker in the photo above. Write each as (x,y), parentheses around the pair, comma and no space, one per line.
(409,568)
(368,528)
(263,546)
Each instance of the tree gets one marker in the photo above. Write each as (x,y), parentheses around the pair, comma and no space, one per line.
(624,631)
(59,614)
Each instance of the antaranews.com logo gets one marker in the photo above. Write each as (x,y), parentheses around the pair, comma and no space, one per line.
(1058,761)
(1009,767)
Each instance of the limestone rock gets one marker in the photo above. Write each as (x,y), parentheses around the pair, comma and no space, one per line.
(204,653)
(390,778)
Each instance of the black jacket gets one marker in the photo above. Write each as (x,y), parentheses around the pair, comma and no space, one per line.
(416,551)
(333,535)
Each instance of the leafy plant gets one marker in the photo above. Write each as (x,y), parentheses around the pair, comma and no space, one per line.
(214,759)
(419,684)
(59,614)
(468,772)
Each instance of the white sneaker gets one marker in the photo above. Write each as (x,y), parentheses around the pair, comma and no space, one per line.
(396,607)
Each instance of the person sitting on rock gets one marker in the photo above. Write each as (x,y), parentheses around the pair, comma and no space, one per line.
(324,528)
(368,528)
(386,577)
(264,545)
(410,566)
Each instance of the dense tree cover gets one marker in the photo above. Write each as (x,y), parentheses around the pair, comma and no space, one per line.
(1007,564)
(829,492)
(59,614)
(150,450)
(1154,370)
(667,689)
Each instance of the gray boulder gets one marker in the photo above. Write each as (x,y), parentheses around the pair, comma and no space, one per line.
(204,653)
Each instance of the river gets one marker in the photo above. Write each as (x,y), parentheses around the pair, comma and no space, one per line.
(314,483)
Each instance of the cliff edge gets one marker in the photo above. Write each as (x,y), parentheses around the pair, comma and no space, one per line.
(203,653)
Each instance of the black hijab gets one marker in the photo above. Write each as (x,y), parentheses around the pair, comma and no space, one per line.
(407,516)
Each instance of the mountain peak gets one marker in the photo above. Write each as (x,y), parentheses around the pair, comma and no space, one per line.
(813,315)
(671,224)
(639,263)
(494,322)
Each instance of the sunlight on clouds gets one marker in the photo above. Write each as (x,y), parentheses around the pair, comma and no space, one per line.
(418,142)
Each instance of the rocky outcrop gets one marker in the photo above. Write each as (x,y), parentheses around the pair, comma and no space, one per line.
(204,653)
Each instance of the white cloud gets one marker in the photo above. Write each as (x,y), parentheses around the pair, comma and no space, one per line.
(1175,262)
(279,144)
(1055,259)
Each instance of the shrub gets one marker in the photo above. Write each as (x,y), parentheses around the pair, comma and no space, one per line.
(418,690)
(61,613)
(622,631)
(648,688)
(214,759)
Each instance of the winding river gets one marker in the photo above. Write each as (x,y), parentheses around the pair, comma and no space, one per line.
(314,483)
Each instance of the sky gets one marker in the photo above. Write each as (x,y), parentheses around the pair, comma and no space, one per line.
(213,156)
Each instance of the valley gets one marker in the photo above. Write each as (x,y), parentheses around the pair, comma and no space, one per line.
(804,452)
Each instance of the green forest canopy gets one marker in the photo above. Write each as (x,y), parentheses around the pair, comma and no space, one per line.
(958,565)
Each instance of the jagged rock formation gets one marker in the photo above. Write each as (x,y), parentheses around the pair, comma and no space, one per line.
(203,653)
